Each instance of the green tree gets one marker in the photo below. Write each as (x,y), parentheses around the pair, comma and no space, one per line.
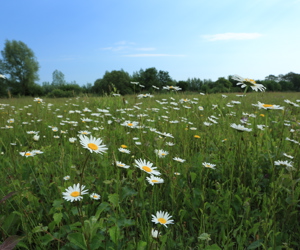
(19,62)
(118,79)
(58,78)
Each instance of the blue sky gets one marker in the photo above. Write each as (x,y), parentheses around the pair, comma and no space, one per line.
(187,38)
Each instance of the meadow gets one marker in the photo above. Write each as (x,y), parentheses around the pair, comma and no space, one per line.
(162,171)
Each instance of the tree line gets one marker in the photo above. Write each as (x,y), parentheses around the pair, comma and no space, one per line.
(19,75)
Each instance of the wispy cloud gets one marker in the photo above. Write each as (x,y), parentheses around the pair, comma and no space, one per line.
(232,36)
(152,55)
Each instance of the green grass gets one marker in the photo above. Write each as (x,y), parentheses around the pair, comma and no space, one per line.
(246,202)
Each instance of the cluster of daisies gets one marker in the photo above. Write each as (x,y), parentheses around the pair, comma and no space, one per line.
(144,120)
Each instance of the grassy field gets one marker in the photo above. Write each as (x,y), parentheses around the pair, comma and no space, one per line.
(94,173)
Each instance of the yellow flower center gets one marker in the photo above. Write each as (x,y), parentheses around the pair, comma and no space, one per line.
(27,154)
(208,166)
(196,136)
(121,165)
(123,146)
(75,194)
(162,220)
(268,105)
(95,196)
(262,115)
(154,180)
(147,169)
(92,146)
(130,124)
(163,154)
(84,133)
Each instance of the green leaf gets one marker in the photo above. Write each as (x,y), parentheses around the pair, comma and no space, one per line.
(103,206)
(255,244)
(213,247)
(141,245)
(96,241)
(114,233)
(193,176)
(10,242)
(78,240)
(114,199)
(57,217)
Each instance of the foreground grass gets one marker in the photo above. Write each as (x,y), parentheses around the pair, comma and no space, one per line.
(246,202)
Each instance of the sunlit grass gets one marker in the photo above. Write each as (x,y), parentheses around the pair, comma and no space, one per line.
(223,188)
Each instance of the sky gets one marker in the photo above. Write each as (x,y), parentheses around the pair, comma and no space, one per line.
(187,38)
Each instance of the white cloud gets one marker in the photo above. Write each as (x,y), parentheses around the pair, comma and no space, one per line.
(232,36)
(150,55)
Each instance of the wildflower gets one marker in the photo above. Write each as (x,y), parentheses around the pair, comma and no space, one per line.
(32,132)
(161,153)
(170,144)
(283,163)
(67,177)
(92,144)
(72,139)
(36,137)
(10,120)
(154,180)
(261,127)
(146,166)
(123,150)
(37,152)
(121,165)
(84,132)
(240,128)
(267,106)
(74,193)
(289,156)
(200,108)
(178,159)
(162,218)
(27,153)
(245,82)
(123,146)
(37,99)
(155,234)
(197,136)
(95,196)
(176,173)
(208,165)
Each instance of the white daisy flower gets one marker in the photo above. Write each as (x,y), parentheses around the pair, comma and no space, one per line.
(121,165)
(240,128)
(162,218)
(123,150)
(208,165)
(161,153)
(27,153)
(244,82)
(155,234)
(178,159)
(95,196)
(154,180)
(93,144)
(267,106)
(74,193)
(146,166)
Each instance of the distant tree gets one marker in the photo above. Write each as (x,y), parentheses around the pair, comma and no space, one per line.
(20,64)
(294,78)
(223,85)
(183,85)
(164,78)
(58,78)
(116,79)
(149,77)
(194,84)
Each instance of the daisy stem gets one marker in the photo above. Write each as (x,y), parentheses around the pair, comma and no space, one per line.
(245,90)
(82,171)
